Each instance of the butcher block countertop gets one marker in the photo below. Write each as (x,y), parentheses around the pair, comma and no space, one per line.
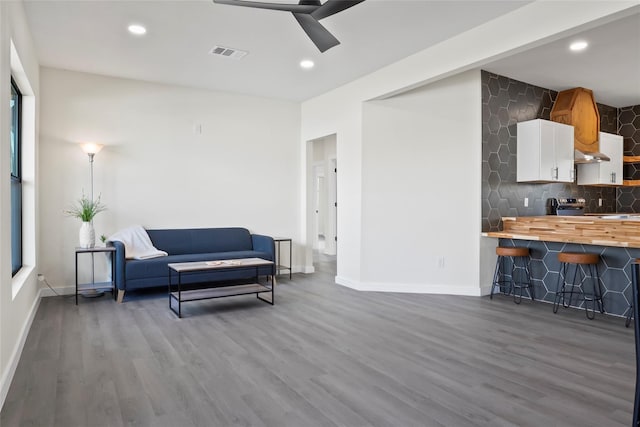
(620,230)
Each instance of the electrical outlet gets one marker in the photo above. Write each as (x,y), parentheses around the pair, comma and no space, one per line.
(441,262)
(40,277)
(526,202)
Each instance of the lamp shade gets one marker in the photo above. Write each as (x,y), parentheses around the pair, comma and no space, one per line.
(91,147)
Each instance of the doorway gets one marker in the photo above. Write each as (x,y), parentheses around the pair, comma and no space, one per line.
(322,202)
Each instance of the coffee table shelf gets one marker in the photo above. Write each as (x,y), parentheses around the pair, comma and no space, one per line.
(224,291)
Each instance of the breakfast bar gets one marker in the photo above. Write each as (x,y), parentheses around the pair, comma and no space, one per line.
(615,237)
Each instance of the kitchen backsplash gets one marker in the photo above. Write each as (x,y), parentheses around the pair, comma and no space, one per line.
(608,118)
(506,102)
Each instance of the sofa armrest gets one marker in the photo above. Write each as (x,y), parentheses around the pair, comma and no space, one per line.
(119,260)
(265,244)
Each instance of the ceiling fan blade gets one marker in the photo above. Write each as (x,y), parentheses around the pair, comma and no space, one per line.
(331,7)
(294,8)
(318,34)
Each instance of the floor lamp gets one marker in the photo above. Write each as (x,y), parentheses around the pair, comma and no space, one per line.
(92,149)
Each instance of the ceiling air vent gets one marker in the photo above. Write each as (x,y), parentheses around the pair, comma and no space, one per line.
(227,52)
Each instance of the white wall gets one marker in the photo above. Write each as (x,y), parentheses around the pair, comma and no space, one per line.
(155,170)
(421,151)
(19,296)
(340,112)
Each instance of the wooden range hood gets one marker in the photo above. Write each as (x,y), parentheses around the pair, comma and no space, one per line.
(577,107)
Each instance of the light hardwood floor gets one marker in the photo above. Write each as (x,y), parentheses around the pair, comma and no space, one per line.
(324,355)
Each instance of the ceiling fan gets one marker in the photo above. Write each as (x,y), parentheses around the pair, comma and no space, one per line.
(307,13)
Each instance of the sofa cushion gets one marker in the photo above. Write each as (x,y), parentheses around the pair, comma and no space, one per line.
(157,267)
(201,240)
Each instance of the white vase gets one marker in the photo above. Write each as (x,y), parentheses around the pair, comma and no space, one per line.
(87,235)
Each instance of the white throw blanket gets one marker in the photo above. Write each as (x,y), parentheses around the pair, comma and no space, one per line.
(137,244)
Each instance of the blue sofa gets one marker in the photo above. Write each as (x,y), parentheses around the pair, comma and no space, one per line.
(188,245)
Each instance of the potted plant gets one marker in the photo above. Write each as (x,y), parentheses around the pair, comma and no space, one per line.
(86,209)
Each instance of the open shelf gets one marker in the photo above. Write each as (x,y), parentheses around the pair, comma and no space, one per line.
(226,291)
(630,182)
(98,286)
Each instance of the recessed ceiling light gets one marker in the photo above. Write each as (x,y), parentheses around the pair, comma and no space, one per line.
(579,45)
(137,29)
(306,64)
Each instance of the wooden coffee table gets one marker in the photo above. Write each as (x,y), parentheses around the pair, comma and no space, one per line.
(176,298)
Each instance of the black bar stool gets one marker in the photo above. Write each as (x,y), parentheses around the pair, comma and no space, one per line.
(519,260)
(582,263)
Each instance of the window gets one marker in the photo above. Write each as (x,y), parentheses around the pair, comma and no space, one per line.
(16,179)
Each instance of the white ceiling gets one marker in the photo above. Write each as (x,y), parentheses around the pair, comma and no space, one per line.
(91,36)
(610,66)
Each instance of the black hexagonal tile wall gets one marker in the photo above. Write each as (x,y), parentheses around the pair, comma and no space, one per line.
(608,118)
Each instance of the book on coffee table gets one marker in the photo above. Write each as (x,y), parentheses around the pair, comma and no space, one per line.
(225,262)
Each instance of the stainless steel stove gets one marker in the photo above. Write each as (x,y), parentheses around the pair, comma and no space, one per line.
(565,206)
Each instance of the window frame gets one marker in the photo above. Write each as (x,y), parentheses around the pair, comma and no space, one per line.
(16,178)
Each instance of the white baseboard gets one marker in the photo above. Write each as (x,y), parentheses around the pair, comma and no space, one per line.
(307,269)
(485,290)
(68,290)
(7,376)
(414,288)
(298,269)
(347,283)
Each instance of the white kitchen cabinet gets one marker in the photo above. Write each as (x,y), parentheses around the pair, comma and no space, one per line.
(604,173)
(545,152)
